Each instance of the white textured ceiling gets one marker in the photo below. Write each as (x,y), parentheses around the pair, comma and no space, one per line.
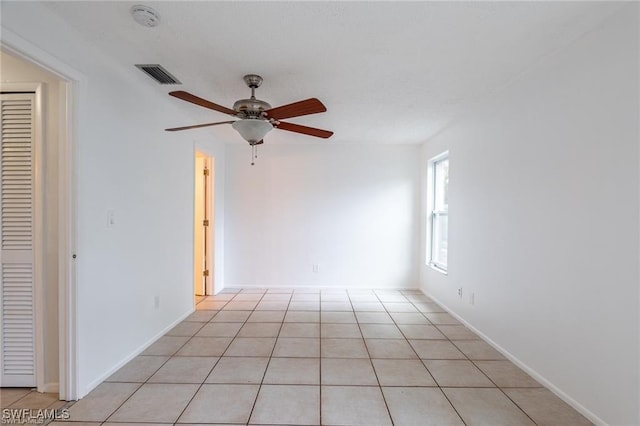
(388,72)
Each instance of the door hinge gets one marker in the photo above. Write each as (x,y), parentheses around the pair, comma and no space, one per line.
(205,222)
(205,273)
(206,172)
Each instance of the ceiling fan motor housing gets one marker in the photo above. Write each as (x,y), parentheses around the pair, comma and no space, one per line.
(251,108)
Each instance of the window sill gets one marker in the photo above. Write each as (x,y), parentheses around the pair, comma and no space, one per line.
(437,268)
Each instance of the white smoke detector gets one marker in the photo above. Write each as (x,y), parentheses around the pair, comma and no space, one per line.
(145,16)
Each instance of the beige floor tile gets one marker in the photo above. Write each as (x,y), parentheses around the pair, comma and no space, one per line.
(293,371)
(442,318)
(124,424)
(252,290)
(300,329)
(139,369)
(101,402)
(220,297)
(305,297)
(240,306)
(390,348)
(478,350)
(290,405)
(428,307)
(36,400)
(337,317)
(421,331)
(205,346)
(221,404)
(276,297)
(220,329)
(391,297)
(302,316)
(231,316)
(185,328)
(420,406)
(368,306)
(160,403)
(402,372)
(341,330)
(374,318)
(166,345)
(335,306)
(507,374)
(251,346)
(184,369)
(457,332)
(400,307)
(238,370)
(257,329)
(486,407)
(248,297)
(409,318)
(272,306)
(343,348)
(210,306)
(201,316)
(436,349)
(266,316)
(66,423)
(380,331)
(304,306)
(545,408)
(10,395)
(297,347)
(418,298)
(353,405)
(364,298)
(457,373)
(341,371)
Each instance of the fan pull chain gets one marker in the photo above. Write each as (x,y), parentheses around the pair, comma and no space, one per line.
(254,154)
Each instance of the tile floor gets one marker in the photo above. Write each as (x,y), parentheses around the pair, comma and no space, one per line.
(310,357)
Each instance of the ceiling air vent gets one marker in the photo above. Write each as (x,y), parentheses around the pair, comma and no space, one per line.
(158,73)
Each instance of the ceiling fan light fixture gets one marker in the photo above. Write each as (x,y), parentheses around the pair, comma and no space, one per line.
(252,130)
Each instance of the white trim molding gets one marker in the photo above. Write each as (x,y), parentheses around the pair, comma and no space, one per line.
(72,87)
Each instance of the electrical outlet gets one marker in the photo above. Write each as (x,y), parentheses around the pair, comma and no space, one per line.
(316,268)
(460,292)
(472,298)
(156,301)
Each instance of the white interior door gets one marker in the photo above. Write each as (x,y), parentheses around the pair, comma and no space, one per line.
(17,298)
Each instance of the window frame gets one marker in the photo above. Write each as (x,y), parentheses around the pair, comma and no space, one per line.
(434,214)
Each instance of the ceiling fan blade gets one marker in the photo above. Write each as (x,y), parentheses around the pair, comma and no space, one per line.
(297,109)
(311,131)
(185,96)
(173,129)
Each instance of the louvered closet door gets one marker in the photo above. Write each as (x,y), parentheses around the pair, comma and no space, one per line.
(17,334)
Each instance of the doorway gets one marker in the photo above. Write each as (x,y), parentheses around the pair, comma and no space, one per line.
(203,226)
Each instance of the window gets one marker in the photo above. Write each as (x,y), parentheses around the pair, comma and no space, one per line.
(439,212)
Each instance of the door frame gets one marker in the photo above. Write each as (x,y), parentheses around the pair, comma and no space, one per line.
(209,206)
(72,90)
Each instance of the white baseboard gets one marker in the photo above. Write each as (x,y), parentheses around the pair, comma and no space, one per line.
(530,371)
(322,287)
(132,355)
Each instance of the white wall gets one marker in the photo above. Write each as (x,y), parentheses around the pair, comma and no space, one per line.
(351,209)
(126,163)
(544,220)
(14,70)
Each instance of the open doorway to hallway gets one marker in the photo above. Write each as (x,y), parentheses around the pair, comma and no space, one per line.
(203,226)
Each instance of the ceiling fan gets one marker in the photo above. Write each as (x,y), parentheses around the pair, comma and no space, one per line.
(255,117)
